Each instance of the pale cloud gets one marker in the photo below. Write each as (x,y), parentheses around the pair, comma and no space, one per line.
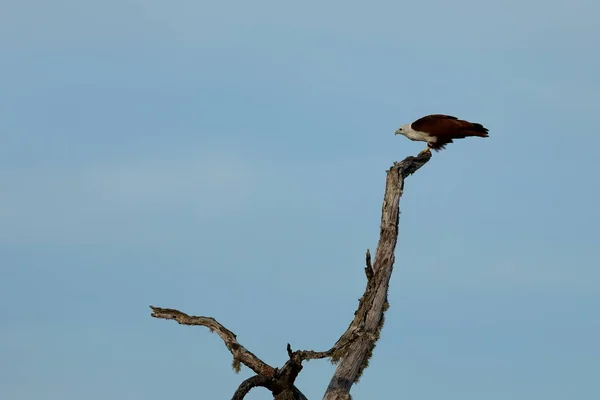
(522,270)
(83,202)
(184,21)
(202,184)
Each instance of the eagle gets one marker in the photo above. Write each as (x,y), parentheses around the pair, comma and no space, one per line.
(438,130)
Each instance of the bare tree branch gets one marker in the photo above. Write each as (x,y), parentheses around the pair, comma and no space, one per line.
(354,348)
(239,352)
(340,346)
(369,317)
(279,381)
(369,268)
(249,384)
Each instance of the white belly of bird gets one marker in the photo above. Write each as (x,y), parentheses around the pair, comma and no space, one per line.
(420,136)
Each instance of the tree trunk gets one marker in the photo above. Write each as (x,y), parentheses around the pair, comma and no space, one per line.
(355,347)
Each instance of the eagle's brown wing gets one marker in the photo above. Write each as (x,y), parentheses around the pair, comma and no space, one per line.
(446,128)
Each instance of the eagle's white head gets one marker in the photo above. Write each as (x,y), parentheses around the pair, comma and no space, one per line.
(404,130)
(408,131)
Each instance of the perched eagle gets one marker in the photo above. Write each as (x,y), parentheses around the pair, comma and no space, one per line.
(438,130)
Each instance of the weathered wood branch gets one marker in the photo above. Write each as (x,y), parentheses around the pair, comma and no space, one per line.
(249,384)
(239,352)
(369,268)
(279,392)
(354,348)
(279,381)
(369,317)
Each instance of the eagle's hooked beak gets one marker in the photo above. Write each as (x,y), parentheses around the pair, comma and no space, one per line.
(398,131)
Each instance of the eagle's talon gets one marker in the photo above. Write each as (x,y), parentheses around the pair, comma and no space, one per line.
(426,150)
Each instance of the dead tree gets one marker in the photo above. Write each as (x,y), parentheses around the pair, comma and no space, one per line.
(354,348)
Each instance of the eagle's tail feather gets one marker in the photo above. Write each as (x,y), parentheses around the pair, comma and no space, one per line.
(478,130)
(476,133)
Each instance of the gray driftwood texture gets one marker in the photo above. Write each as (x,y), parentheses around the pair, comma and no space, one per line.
(353,350)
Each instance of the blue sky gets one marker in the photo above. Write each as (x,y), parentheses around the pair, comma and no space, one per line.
(228,159)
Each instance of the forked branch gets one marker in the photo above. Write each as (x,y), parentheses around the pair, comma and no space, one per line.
(354,348)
